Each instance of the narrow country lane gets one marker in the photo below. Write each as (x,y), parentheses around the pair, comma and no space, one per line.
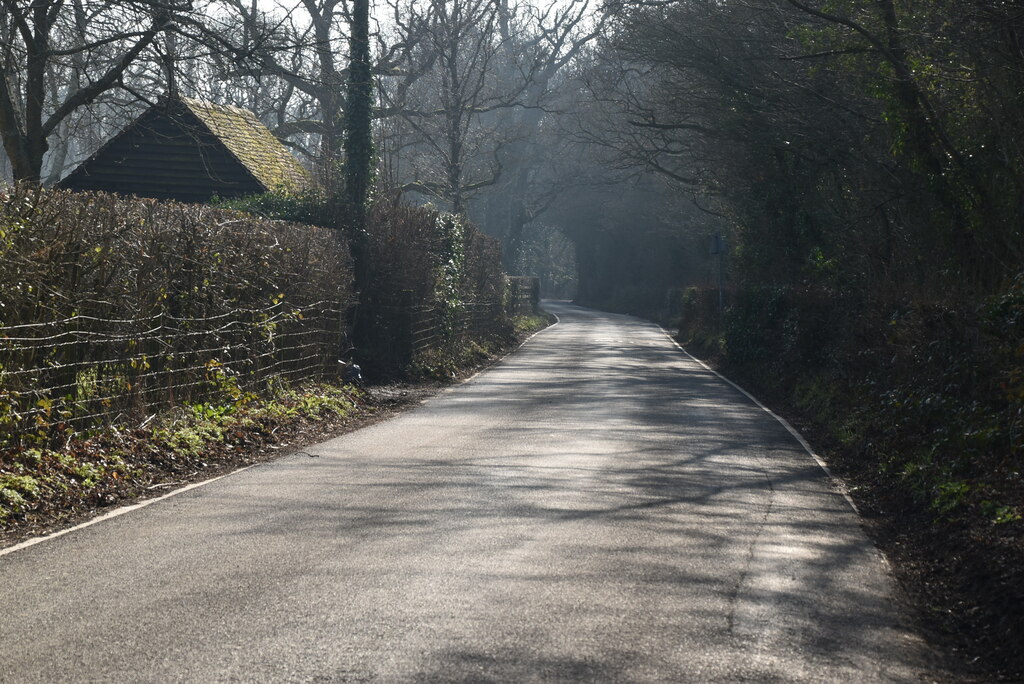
(597,507)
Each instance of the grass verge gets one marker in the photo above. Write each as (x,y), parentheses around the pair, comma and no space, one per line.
(44,488)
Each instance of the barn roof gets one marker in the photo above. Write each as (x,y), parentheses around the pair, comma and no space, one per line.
(191,150)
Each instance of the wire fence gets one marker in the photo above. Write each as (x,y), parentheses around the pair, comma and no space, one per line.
(61,378)
(522,295)
(436,283)
(433,327)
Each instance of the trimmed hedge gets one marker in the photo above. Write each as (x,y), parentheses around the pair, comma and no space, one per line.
(434,282)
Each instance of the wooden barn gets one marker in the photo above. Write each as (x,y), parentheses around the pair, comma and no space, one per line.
(190,151)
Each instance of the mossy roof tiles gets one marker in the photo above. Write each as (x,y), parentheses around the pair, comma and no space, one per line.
(252,144)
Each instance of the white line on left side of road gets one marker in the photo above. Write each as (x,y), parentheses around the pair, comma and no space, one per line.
(498,362)
(117,512)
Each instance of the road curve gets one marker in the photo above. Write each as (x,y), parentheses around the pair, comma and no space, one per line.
(597,507)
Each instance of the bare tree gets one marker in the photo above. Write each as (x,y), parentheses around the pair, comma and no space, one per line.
(99,41)
(454,154)
(554,35)
(471,133)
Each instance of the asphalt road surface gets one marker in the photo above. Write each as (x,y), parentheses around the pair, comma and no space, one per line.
(597,507)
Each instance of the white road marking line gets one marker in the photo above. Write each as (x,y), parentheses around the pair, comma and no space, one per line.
(839,484)
(117,512)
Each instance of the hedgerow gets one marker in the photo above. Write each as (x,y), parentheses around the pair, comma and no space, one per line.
(113,309)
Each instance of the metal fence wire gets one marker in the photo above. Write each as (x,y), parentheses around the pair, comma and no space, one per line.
(432,328)
(409,330)
(63,377)
(522,295)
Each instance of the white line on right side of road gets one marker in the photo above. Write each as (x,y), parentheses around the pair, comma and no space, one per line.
(839,484)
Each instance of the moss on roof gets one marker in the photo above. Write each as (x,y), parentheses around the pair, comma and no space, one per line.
(253,144)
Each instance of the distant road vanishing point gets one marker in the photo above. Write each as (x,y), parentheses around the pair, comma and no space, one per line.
(597,507)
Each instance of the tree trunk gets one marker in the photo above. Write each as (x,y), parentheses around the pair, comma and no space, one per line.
(359,166)
(358,134)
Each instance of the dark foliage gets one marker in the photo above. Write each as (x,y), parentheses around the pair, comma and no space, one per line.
(435,283)
(921,408)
